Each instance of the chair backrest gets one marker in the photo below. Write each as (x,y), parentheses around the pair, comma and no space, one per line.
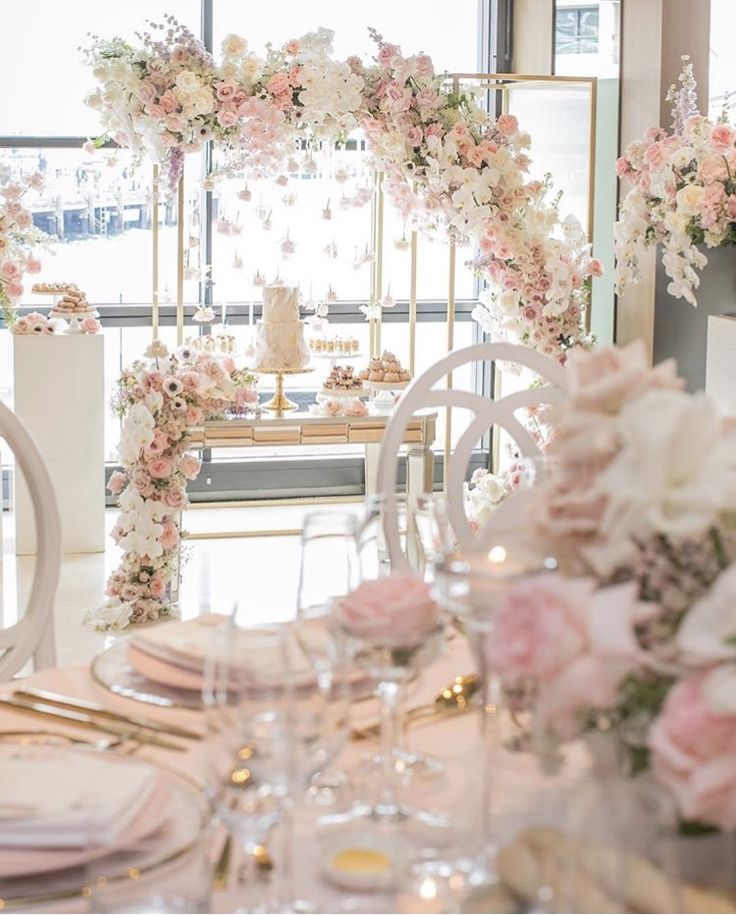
(422,394)
(33,634)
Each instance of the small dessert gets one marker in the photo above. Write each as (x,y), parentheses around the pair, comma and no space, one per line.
(54,288)
(72,303)
(386,370)
(342,380)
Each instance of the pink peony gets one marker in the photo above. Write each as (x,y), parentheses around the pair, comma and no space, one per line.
(160,468)
(693,746)
(578,642)
(189,465)
(169,536)
(157,587)
(355,408)
(394,608)
(117,482)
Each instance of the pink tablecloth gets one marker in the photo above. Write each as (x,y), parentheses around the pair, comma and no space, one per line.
(517,784)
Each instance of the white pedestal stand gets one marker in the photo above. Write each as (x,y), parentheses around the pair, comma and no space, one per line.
(60,396)
(720,364)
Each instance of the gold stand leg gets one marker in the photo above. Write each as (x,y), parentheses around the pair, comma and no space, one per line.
(280,403)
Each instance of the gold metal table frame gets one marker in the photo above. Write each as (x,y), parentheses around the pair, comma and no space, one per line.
(300,429)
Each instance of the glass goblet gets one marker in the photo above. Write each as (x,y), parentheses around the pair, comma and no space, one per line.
(472,586)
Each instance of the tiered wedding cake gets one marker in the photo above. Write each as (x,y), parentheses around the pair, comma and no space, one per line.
(279,339)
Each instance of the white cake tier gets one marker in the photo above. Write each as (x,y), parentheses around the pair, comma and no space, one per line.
(280,305)
(280,346)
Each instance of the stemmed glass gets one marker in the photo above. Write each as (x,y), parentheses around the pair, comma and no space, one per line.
(329,569)
(472,586)
(270,729)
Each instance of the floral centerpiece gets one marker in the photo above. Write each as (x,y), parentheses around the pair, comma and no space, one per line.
(18,240)
(159,400)
(638,635)
(683,193)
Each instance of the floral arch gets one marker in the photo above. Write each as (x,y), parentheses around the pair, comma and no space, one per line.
(448,166)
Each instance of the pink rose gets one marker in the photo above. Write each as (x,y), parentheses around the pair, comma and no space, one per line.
(176,498)
(332,407)
(131,592)
(595,267)
(141,482)
(169,536)
(194,416)
(424,65)
(22,326)
(168,102)
(91,325)
(722,136)
(153,381)
(507,125)
(10,270)
(117,482)
(393,608)
(355,408)
(190,381)
(227,117)
(579,642)
(386,54)
(279,85)
(33,265)
(190,466)
(160,469)
(414,136)
(693,746)
(157,587)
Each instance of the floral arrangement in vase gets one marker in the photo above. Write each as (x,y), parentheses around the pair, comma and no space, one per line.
(683,193)
(159,400)
(636,635)
(18,240)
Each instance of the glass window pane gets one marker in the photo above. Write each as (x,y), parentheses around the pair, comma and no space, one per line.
(100,210)
(722,75)
(409,24)
(51,33)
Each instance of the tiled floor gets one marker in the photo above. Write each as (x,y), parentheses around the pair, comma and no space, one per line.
(259,572)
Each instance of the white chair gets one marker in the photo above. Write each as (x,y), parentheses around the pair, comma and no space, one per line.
(422,394)
(33,634)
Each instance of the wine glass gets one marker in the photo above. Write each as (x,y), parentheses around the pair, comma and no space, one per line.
(419,543)
(329,569)
(245,702)
(472,586)
(433,528)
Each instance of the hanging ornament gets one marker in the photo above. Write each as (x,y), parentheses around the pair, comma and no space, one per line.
(292,165)
(223,226)
(344,202)
(287,246)
(403,243)
(267,224)
(388,300)
(327,212)
(259,279)
(208,183)
(277,281)
(282,180)
(341,175)
(245,194)
(331,295)
(193,242)
(310,166)
(237,263)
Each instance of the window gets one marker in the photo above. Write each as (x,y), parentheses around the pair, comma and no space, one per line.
(576,29)
(721,76)
(99,206)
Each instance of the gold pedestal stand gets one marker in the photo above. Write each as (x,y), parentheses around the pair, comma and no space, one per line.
(280,403)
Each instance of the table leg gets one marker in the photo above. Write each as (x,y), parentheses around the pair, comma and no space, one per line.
(372,451)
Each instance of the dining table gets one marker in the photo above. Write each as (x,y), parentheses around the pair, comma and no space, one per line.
(520,789)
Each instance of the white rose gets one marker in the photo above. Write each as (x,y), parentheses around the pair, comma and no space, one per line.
(709,624)
(187,81)
(719,689)
(508,301)
(234,46)
(675,473)
(690,199)
(113,614)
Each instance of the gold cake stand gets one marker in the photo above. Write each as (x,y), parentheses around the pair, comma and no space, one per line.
(280,403)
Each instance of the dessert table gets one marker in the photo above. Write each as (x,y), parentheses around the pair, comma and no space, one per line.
(451,740)
(305,429)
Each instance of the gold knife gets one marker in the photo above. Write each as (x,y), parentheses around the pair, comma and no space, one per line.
(85,721)
(92,709)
